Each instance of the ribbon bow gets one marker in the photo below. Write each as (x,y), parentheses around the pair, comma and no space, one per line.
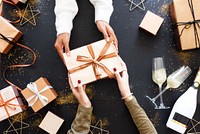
(37,94)
(95,62)
(190,23)
(7,104)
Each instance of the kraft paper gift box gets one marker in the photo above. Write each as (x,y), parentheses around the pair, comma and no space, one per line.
(151,22)
(92,62)
(10,102)
(51,123)
(39,93)
(18,1)
(187,29)
(8,34)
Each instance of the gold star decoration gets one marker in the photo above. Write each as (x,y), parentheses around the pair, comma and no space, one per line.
(98,128)
(193,129)
(135,5)
(13,125)
(29,15)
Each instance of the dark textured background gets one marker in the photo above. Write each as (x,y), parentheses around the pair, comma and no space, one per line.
(136,47)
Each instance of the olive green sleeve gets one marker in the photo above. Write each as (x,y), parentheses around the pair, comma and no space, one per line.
(82,121)
(140,118)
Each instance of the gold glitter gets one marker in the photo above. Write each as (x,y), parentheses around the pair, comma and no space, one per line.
(185,57)
(18,116)
(164,9)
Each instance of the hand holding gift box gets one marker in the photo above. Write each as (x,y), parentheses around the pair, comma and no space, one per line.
(8,35)
(10,102)
(39,94)
(186,15)
(92,62)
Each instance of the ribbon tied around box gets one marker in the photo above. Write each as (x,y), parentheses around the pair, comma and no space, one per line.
(37,94)
(95,62)
(7,104)
(194,23)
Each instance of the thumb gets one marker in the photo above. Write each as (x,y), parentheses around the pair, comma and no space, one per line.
(117,75)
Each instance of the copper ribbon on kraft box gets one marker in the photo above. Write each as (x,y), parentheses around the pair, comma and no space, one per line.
(95,62)
(7,104)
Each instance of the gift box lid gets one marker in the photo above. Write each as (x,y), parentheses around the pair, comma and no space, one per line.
(151,22)
(51,123)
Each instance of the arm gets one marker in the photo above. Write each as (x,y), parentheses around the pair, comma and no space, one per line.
(138,115)
(65,11)
(103,12)
(82,121)
(140,118)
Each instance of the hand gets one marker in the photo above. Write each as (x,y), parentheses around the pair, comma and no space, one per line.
(62,43)
(123,82)
(80,94)
(107,31)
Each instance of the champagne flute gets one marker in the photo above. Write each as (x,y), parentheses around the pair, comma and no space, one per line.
(175,80)
(159,76)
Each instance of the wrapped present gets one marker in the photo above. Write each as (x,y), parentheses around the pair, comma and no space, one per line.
(92,62)
(39,93)
(10,102)
(51,123)
(19,1)
(8,35)
(151,22)
(186,16)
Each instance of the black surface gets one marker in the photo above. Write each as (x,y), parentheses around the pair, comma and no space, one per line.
(136,47)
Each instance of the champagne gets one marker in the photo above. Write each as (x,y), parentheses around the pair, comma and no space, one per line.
(159,76)
(184,108)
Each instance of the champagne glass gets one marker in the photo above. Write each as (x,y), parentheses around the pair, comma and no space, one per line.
(159,76)
(175,80)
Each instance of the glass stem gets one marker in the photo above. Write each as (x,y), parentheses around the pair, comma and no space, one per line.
(160,90)
(155,98)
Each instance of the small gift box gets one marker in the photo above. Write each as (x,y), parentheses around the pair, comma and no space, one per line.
(10,102)
(186,16)
(51,123)
(92,62)
(17,1)
(8,35)
(39,93)
(151,22)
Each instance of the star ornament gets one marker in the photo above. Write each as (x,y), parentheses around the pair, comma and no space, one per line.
(135,5)
(29,15)
(98,128)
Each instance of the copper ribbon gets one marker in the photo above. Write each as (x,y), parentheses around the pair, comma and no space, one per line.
(188,24)
(17,65)
(7,104)
(18,11)
(95,62)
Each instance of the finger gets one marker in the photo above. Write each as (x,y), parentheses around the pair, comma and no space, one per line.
(105,34)
(84,87)
(67,50)
(70,83)
(80,86)
(117,75)
(59,48)
(112,33)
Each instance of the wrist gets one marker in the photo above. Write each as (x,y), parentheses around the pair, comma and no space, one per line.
(127,97)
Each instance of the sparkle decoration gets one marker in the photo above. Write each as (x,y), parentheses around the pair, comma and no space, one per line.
(193,130)
(135,5)
(98,128)
(29,15)
(13,125)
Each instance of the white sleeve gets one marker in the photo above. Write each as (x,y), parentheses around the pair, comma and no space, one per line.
(65,11)
(103,9)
